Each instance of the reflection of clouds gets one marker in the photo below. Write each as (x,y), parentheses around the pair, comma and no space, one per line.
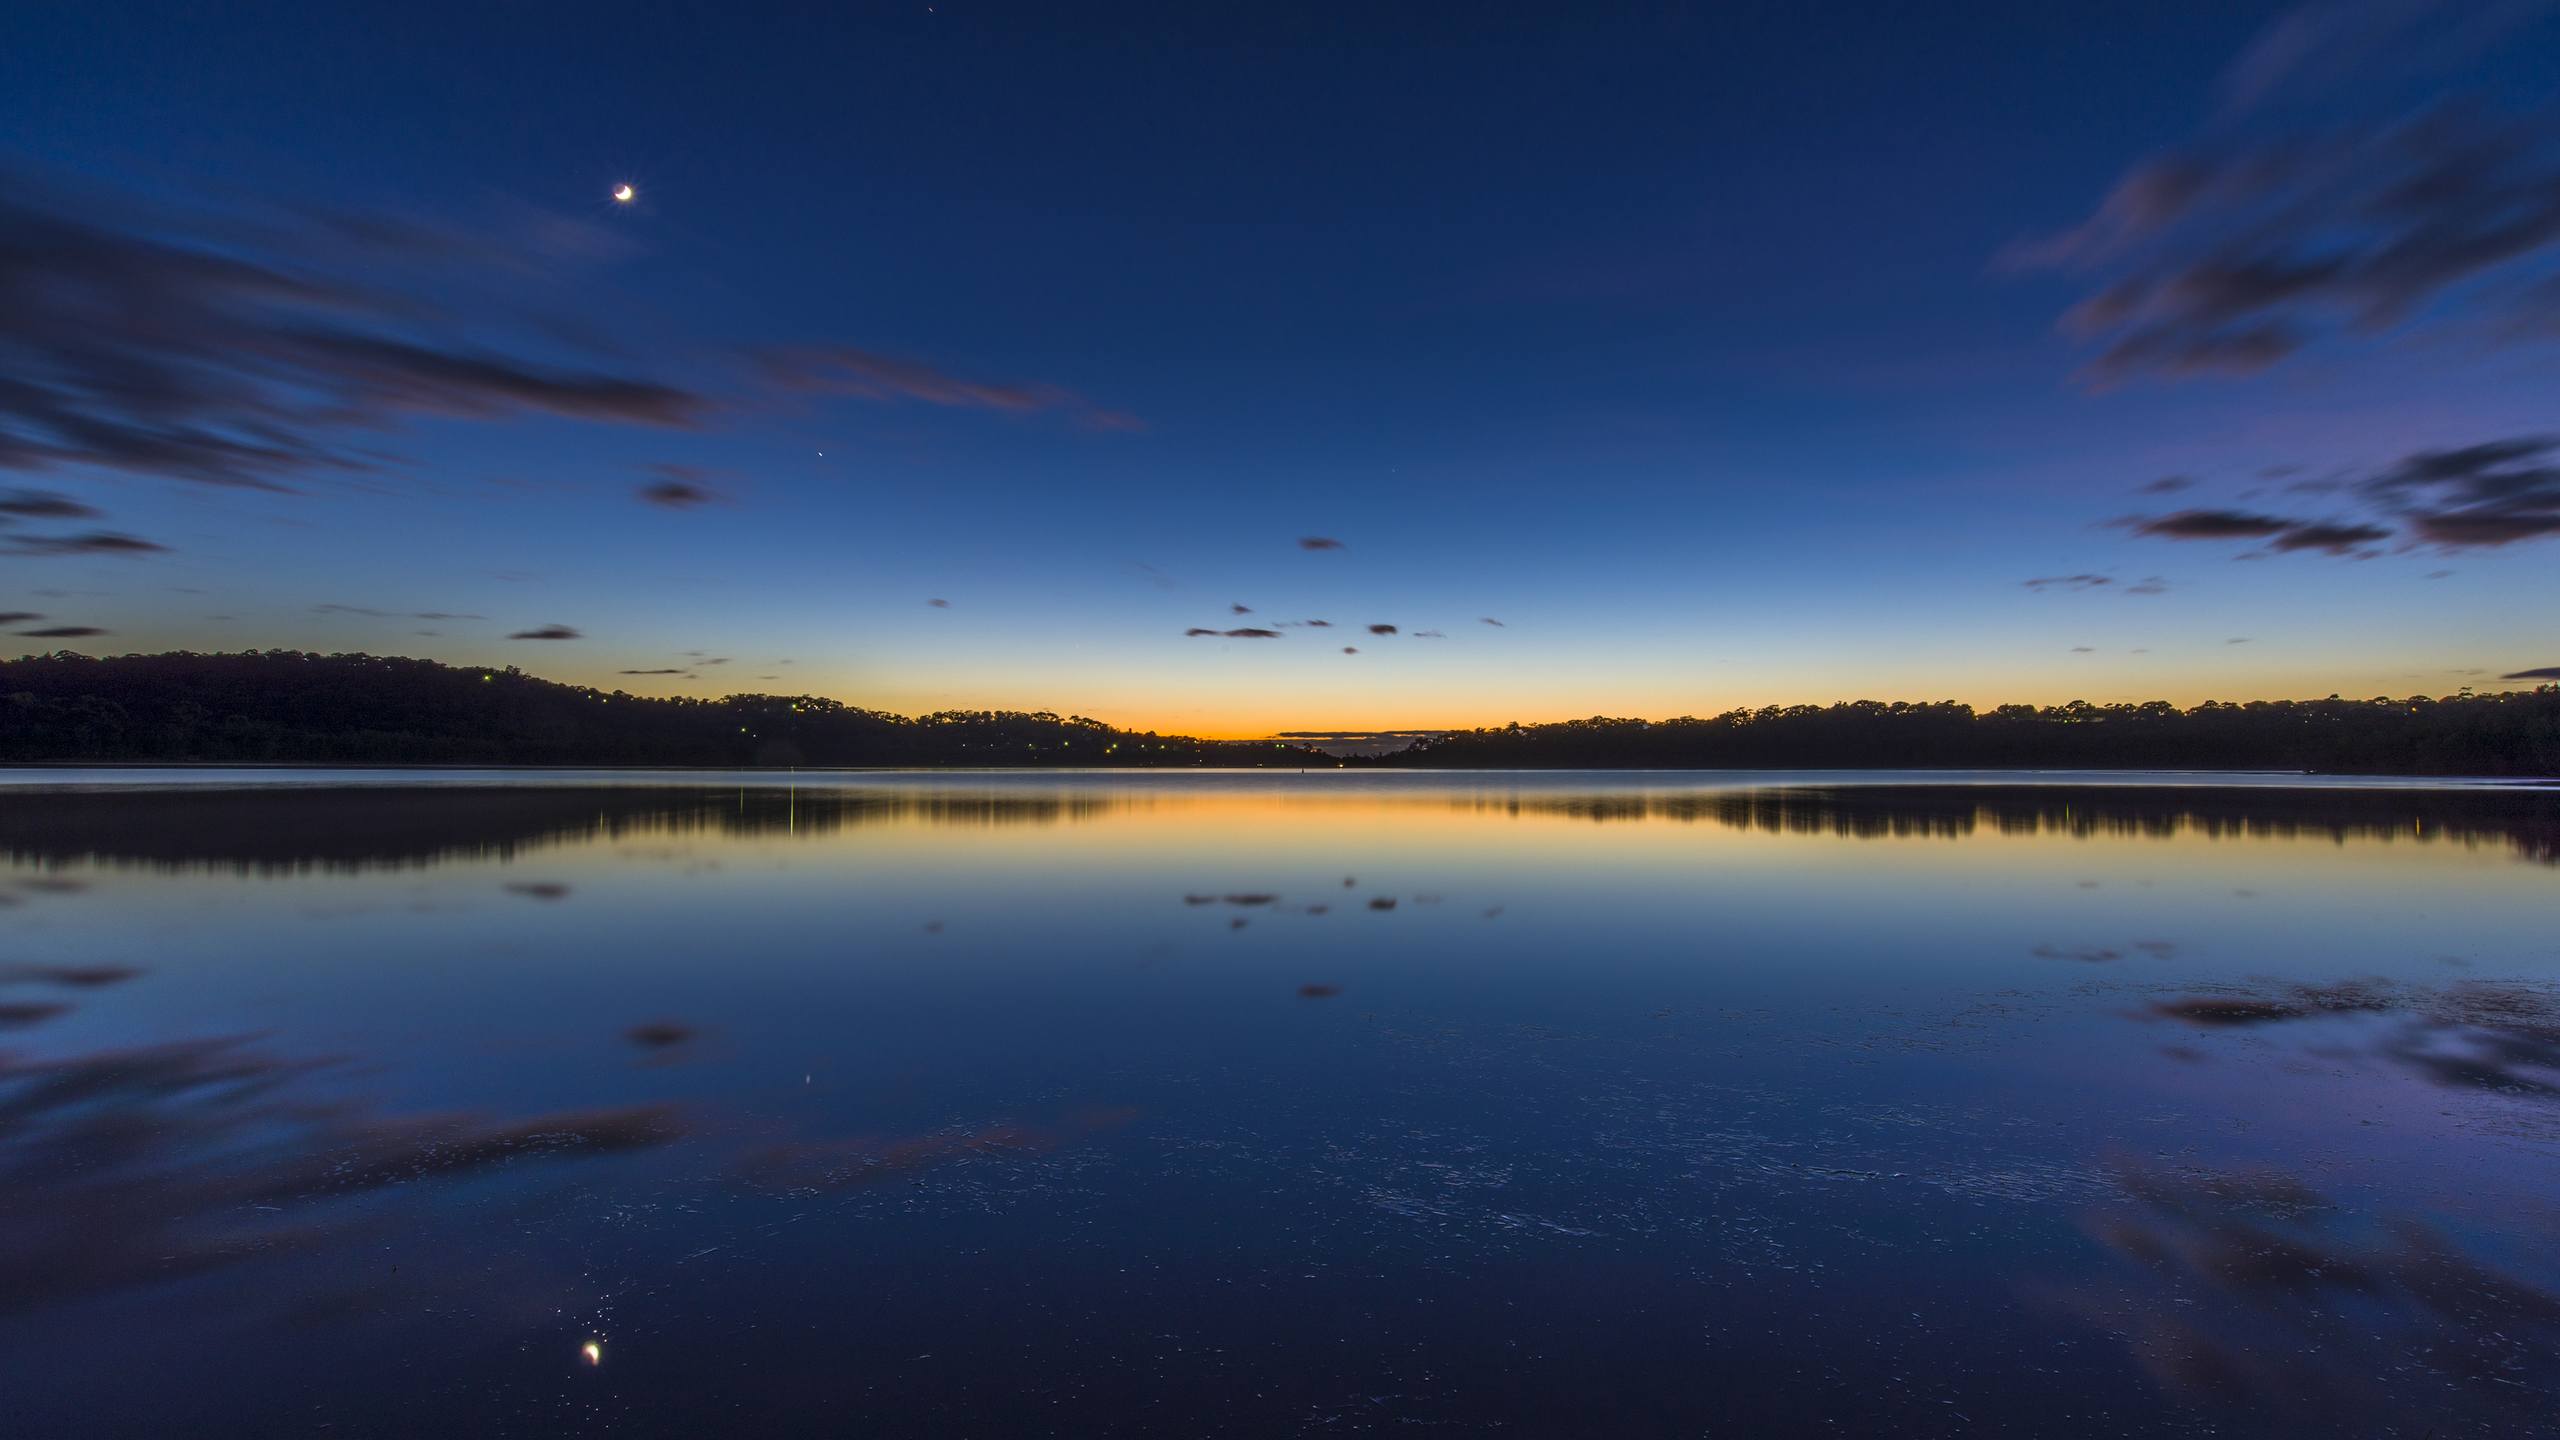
(2250,1289)
(77,977)
(852,1163)
(659,1034)
(664,1043)
(2086,954)
(2499,1038)
(134,1167)
(121,1167)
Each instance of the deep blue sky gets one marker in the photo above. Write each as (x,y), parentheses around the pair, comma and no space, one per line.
(1692,342)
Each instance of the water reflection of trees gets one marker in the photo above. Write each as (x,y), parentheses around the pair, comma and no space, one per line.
(2527,820)
(288,829)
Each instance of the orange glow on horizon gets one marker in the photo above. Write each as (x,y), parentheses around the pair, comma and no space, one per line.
(1230,717)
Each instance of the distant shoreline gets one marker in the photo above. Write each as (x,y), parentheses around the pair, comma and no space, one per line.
(291,709)
(1695,779)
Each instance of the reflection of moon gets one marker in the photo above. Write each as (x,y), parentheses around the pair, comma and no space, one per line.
(623,194)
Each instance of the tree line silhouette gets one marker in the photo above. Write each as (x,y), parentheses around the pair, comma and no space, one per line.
(289,707)
(2507,734)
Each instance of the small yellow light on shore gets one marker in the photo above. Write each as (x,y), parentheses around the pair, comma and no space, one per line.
(594,1351)
(624,194)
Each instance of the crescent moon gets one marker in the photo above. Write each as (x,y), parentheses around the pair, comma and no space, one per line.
(623,194)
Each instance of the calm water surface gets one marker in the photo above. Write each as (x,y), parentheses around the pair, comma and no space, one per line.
(1195,1104)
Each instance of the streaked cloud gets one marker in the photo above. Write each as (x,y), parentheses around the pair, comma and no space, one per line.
(188,352)
(871,375)
(44,505)
(2257,238)
(2213,525)
(96,542)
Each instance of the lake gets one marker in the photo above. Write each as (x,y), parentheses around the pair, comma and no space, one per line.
(1248,1103)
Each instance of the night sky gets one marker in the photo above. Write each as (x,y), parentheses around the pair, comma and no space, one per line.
(971,354)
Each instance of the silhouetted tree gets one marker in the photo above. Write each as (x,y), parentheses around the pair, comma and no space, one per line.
(2512,734)
(284,706)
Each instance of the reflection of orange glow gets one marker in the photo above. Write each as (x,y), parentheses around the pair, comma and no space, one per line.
(1286,823)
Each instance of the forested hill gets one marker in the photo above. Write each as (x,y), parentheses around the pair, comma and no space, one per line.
(2511,734)
(283,706)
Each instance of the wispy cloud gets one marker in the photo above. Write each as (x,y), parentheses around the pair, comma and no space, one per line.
(2213,525)
(676,494)
(2334,539)
(96,542)
(2494,493)
(870,375)
(44,505)
(547,632)
(191,353)
(2254,240)
(368,610)
(681,487)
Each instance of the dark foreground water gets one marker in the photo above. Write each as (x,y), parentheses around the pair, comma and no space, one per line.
(1207,1105)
